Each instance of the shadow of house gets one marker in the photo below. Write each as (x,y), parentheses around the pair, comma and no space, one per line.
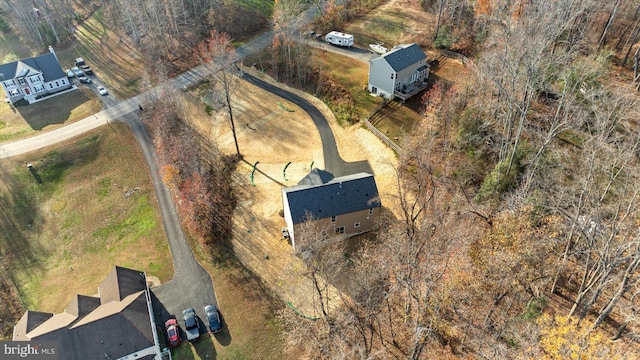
(115,324)
(55,113)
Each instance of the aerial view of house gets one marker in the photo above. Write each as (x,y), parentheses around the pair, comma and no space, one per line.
(401,72)
(344,206)
(113,325)
(34,78)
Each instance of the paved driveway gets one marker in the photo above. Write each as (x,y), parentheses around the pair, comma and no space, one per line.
(333,163)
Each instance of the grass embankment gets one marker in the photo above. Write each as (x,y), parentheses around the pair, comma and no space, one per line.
(70,221)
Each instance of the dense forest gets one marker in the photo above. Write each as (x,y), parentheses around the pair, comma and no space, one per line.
(520,227)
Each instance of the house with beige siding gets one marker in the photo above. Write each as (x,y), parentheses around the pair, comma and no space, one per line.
(345,206)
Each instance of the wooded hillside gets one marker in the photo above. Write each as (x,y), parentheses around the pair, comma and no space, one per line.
(519,234)
(520,231)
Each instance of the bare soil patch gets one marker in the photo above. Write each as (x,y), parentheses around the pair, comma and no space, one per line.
(396,22)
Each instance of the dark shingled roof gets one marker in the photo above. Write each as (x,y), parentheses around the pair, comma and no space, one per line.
(29,321)
(404,56)
(122,329)
(342,195)
(116,324)
(120,283)
(48,64)
(81,305)
(316,177)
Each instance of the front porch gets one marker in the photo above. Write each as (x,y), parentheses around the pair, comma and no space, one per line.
(409,91)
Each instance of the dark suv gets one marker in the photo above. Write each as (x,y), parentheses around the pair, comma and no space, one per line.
(213,318)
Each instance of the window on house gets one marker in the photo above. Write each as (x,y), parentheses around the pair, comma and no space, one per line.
(38,88)
(63,82)
(21,81)
(333,219)
(9,83)
(57,84)
(339,230)
(50,86)
(371,211)
(356,225)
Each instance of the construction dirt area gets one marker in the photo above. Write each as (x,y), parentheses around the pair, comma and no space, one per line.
(273,132)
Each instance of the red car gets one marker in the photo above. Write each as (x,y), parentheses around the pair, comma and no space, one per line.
(173,333)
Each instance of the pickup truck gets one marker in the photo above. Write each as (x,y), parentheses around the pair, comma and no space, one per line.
(191,324)
(87,70)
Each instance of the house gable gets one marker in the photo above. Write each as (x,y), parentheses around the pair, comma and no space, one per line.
(120,283)
(29,321)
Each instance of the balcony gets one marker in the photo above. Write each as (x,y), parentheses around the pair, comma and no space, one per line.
(408,91)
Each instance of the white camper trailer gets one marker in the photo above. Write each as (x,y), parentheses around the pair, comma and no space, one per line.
(340,39)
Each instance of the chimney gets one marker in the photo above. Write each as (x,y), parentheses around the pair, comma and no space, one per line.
(53,51)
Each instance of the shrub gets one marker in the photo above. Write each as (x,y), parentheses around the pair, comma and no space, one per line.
(4,25)
(445,38)
(501,179)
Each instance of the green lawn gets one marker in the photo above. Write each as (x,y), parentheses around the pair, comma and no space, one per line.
(351,74)
(70,222)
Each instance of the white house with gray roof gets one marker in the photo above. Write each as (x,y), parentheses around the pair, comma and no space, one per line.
(344,206)
(401,72)
(34,78)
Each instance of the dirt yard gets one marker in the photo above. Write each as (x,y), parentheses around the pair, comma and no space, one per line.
(396,22)
(273,132)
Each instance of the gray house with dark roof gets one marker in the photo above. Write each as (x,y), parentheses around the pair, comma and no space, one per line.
(34,78)
(117,324)
(344,206)
(401,72)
